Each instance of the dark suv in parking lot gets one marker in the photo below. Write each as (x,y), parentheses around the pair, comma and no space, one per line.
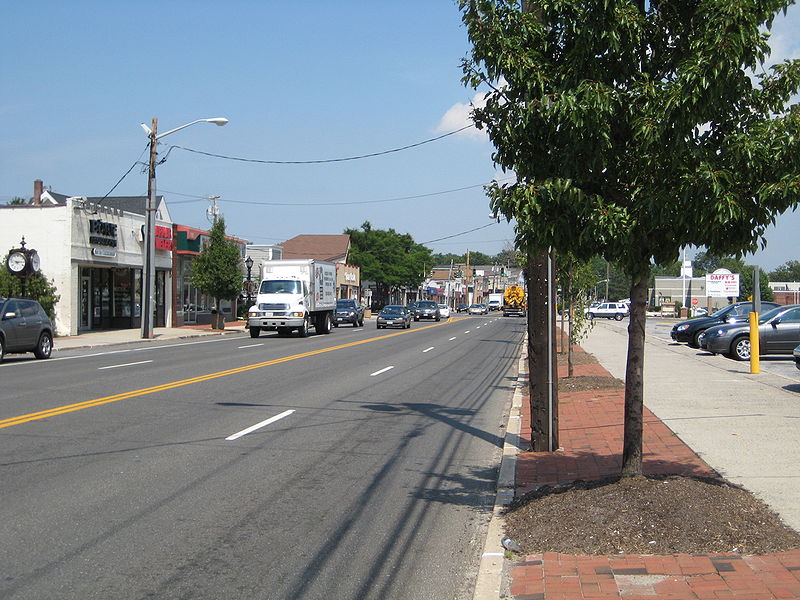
(427,309)
(24,327)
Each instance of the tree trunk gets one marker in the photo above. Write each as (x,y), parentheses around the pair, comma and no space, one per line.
(218,318)
(542,379)
(634,380)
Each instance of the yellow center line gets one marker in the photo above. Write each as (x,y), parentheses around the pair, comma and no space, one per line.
(60,410)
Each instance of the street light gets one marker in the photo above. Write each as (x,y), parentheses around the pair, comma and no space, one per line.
(149,271)
(248,262)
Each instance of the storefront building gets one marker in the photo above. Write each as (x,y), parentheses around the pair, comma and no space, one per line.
(348,281)
(93,253)
(193,307)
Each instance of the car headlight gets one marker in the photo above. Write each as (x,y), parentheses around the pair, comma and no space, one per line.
(683,327)
(717,333)
(254,313)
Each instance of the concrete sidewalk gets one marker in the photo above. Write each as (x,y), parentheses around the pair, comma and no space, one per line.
(703,404)
(95,339)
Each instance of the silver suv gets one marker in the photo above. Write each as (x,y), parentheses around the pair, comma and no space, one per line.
(609,310)
(24,327)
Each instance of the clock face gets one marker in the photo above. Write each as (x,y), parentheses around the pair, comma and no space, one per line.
(35,263)
(16,262)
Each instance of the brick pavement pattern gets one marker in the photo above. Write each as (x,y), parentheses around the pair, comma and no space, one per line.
(590,435)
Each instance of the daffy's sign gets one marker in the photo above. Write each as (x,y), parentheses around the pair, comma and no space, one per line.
(722,285)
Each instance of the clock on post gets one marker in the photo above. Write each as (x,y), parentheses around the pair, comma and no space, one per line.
(23,261)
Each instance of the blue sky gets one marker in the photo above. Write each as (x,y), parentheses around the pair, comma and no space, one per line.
(299,81)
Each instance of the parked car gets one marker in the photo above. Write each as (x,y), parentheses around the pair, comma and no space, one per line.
(348,311)
(796,355)
(24,327)
(609,310)
(427,309)
(394,315)
(778,333)
(444,311)
(689,331)
(462,307)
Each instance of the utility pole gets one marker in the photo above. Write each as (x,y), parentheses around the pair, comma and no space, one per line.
(149,272)
(469,278)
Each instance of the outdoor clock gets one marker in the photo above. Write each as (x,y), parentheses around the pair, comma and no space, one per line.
(35,262)
(17,262)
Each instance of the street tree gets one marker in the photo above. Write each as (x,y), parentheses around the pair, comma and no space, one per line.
(390,259)
(788,271)
(217,270)
(635,129)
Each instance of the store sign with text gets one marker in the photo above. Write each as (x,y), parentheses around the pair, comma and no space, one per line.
(722,285)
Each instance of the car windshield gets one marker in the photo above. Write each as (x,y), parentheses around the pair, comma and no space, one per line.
(345,304)
(280,286)
(723,311)
(392,310)
(426,304)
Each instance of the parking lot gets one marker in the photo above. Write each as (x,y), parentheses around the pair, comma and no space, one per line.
(658,329)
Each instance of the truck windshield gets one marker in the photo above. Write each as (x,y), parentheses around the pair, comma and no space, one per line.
(279,286)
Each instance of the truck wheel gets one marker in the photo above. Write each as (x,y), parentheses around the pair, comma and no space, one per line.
(254,331)
(618,317)
(303,329)
(323,324)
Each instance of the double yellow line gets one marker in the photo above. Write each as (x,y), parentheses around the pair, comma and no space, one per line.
(60,410)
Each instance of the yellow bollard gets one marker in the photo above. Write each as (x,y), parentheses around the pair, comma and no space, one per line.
(754,350)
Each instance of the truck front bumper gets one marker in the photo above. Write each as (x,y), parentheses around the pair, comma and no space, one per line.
(272,323)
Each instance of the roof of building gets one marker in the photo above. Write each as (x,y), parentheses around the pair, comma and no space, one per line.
(321,247)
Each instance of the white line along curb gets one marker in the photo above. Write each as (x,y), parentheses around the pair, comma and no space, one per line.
(490,570)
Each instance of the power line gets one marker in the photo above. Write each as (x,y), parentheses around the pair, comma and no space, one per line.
(317,161)
(416,196)
(457,234)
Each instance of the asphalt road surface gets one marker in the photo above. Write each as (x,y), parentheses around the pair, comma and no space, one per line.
(360,464)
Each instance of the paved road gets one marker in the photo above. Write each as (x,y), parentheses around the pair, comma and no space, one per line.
(130,473)
(745,426)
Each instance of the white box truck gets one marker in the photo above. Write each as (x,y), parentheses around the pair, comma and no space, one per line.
(495,301)
(294,295)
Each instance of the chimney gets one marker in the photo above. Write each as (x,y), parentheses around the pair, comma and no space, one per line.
(38,187)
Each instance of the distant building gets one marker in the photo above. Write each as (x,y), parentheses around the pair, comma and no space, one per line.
(786,292)
(332,248)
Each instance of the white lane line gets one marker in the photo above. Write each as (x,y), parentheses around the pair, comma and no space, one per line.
(381,371)
(451,339)
(236,436)
(427,349)
(467,331)
(249,346)
(141,362)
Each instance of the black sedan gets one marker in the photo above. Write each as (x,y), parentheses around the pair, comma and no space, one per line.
(689,331)
(778,333)
(394,315)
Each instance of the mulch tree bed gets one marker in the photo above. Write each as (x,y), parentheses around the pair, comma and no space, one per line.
(643,515)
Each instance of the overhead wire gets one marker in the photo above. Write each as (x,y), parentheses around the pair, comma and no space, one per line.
(316,161)
(396,199)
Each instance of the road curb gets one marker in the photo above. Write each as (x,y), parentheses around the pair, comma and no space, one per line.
(489,583)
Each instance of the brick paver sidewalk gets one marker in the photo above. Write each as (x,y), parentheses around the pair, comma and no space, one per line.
(591,437)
